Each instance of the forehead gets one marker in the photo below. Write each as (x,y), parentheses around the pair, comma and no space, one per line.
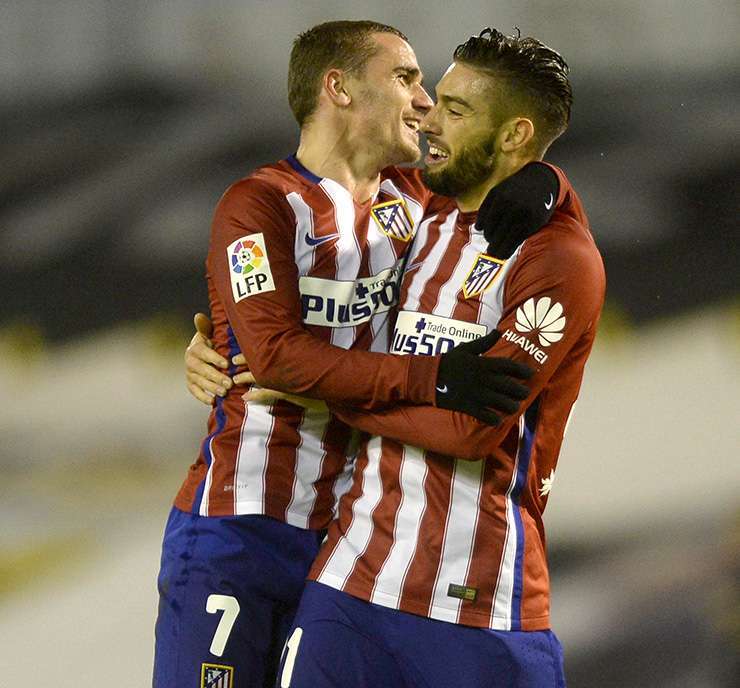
(392,52)
(465,82)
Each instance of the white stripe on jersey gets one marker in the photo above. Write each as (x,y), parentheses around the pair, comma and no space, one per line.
(355,540)
(203,508)
(349,256)
(308,464)
(502,599)
(432,262)
(249,481)
(381,253)
(419,241)
(408,521)
(304,227)
(447,297)
(462,518)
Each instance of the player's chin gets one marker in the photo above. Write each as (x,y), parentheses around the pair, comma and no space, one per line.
(409,152)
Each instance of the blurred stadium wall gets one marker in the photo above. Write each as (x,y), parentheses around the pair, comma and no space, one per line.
(123,122)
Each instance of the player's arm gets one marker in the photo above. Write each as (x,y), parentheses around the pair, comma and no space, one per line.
(251,261)
(562,290)
(520,206)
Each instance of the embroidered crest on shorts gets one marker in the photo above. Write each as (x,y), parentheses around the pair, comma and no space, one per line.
(216,676)
(249,267)
(481,275)
(393,219)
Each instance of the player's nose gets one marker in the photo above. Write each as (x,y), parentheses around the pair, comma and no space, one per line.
(422,101)
(430,123)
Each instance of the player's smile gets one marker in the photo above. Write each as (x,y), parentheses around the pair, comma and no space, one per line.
(437,154)
(412,125)
(392,102)
(460,131)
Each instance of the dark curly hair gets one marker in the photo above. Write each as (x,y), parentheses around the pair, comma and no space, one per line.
(534,77)
(346,45)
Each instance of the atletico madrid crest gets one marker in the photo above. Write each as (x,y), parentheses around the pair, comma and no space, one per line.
(217,676)
(481,276)
(393,219)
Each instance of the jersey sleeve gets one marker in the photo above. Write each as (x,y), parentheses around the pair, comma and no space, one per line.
(552,303)
(251,261)
(564,187)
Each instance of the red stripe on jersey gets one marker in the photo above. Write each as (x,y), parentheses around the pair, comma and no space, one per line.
(467,309)
(536,583)
(488,543)
(345,516)
(421,577)
(282,448)
(433,289)
(433,232)
(379,545)
(223,473)
(334,442)
(325,255)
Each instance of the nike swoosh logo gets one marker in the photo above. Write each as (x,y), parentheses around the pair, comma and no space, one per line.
(411,268)
(549,204)
(442,389)
(320,240)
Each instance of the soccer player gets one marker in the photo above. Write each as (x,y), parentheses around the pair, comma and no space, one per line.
(303,269)
(434,573)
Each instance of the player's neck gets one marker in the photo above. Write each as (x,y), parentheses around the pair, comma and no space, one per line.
(472,199)
(332,155)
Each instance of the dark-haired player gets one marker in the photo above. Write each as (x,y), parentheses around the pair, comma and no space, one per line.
(303,267)
(434,573)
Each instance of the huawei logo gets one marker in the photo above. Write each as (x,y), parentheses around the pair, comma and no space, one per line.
(544,316)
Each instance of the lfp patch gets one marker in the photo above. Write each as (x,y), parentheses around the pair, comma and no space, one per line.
(216,676)
(249,267)
(481,275)
(393,219)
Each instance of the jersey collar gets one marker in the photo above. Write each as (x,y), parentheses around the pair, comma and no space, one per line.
(304,172)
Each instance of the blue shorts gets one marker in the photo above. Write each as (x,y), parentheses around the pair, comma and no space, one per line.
(228,590)
(338,641)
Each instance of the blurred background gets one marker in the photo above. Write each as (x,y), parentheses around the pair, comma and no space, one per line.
(123,122)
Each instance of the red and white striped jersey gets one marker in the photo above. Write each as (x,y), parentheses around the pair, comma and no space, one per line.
(461,539)
(302,280)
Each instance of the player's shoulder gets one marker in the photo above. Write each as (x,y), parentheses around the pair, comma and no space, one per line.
(265,188)
(273,180)
(567,246)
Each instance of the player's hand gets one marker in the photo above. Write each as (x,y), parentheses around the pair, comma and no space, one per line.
(477,385)
(268,396)
(517,208)
(202,363)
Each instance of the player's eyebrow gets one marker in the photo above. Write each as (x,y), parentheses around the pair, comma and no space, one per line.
(454,99)
(413,72)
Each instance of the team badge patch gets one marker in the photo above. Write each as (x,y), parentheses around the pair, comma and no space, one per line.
(216,676)
(393,219)
(249,267)
(481,276)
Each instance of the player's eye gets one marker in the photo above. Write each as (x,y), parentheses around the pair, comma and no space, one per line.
(454,113)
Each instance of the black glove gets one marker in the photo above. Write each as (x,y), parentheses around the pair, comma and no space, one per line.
(474,384)
(517,208)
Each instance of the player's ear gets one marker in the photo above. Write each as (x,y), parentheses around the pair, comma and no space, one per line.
(335,87)
(515,134)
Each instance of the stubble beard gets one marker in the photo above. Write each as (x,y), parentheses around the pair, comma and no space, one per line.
(472,166)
